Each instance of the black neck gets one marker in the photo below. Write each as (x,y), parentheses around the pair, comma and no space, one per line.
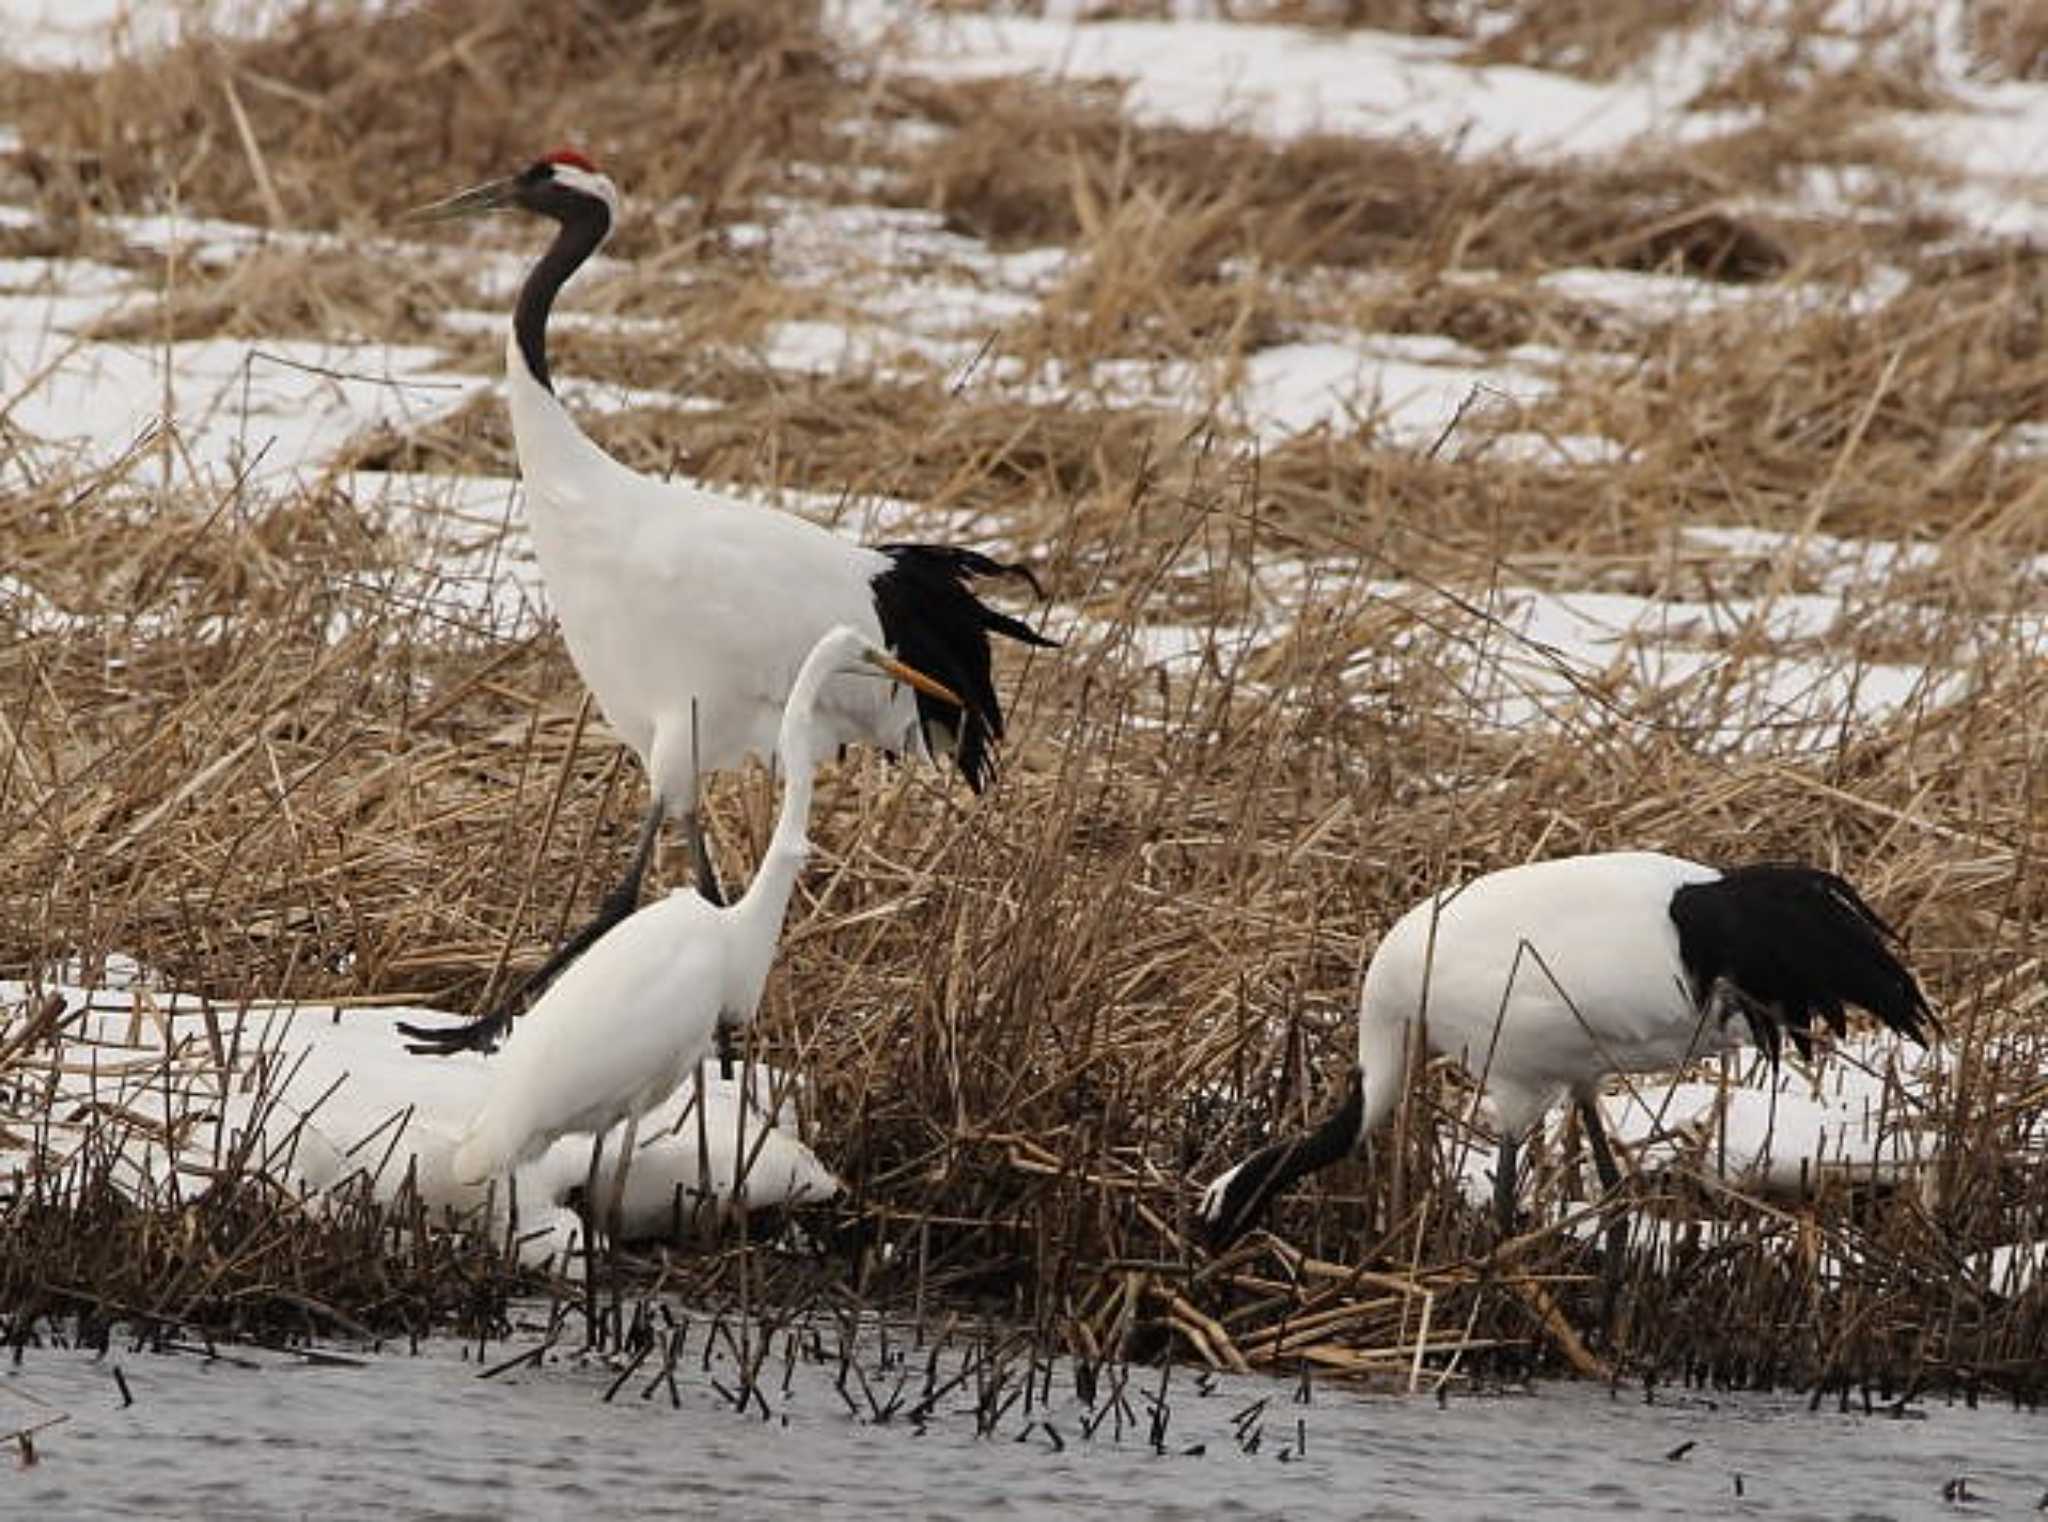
(584,225)
(1266,1173)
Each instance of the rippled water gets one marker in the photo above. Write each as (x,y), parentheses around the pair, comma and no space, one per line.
(417,1437)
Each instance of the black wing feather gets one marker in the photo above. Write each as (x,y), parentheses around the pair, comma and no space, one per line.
(1794,943)
(931,618)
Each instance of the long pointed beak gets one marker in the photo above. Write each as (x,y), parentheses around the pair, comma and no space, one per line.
(911,676)
(469,203)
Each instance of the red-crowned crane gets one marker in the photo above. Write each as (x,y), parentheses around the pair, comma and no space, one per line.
(1542,979)
(688,613)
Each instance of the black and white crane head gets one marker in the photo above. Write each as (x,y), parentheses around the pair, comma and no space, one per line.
(563,184)
(1543,979)
(567,188)
(689,613)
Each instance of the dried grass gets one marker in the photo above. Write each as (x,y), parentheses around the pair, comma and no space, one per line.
(1026,162)
(274,294)
(1887,423)
(2009,37)
(105,1231)
(1594,39)
(239,743)
(352,114)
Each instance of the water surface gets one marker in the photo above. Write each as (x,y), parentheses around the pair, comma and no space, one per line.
(421,1436)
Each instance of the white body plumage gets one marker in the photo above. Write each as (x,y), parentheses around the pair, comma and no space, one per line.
(622,1026)
(671,597)
(617,1032)
(1539,980)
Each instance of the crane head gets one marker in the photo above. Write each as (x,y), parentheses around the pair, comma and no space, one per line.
(562,185)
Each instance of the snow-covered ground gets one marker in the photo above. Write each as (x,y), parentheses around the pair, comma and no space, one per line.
(919,300)
(90,33)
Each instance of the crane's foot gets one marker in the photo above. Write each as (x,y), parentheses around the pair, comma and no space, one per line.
(487,1032)
(446,1040)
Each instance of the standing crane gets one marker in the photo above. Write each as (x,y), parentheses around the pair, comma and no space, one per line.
(688,614)
(1542,979)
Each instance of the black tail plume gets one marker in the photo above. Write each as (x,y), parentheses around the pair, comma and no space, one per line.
(1792,943)
(932,619)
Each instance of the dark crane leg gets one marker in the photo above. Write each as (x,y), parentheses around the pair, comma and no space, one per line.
(1504,1165)
(705,874)
(1596,1142)
(1617,1227)
(484,1034)
(707,884)
(591,1336)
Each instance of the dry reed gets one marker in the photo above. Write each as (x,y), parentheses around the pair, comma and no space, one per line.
(243,741)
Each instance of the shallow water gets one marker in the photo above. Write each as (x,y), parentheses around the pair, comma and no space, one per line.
(420,1437)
